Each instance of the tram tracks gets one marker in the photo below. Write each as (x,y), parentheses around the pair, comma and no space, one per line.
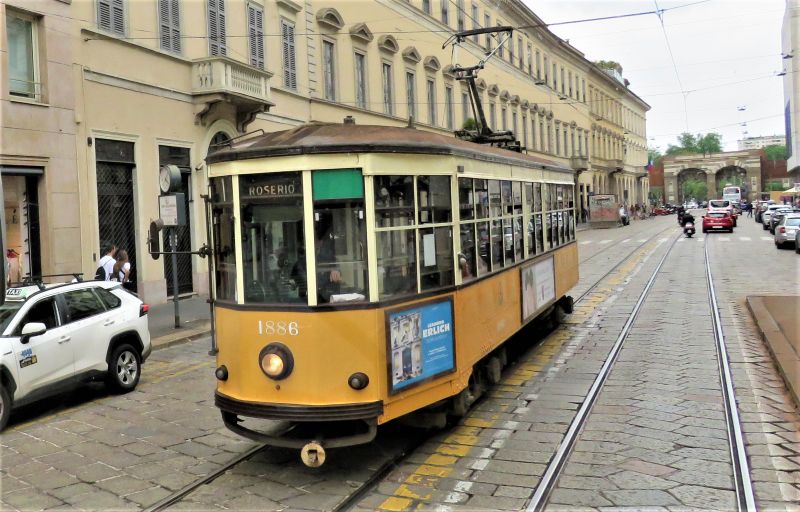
(401,454)
(741,471)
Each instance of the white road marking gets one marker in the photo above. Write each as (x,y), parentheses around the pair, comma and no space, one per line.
(586,242)
(642,240)
(605,241)
(626,240)
(700,239)
(662,240)
(767,238)
(725,239)
(744,238)
(682,239)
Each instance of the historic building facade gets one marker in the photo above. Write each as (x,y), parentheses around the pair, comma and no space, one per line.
(37,145)
(790,48)
(160,81)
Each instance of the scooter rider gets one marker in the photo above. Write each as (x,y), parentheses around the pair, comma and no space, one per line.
(681,212)
(686,218)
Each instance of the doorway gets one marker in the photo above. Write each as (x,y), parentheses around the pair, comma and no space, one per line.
(115,206)
(180,157)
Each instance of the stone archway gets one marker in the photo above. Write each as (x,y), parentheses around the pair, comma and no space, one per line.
(690,180)
(731,174)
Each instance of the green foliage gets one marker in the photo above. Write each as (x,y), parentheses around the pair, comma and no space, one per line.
(775,152)
(689,144)
(609,64)
(470,124)
(656,195)
(695,189)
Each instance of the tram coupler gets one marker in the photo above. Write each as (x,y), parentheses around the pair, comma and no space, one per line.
(313,454)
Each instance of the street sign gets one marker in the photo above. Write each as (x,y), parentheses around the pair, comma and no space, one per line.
(172,210)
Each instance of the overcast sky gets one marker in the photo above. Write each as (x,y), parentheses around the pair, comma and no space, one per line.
(716,44)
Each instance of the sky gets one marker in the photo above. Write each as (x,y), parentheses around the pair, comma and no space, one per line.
(726,55)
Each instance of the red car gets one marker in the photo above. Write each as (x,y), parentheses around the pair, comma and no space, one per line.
(717,221)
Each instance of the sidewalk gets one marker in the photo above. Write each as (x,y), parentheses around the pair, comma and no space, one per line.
(195,321)
(777,322)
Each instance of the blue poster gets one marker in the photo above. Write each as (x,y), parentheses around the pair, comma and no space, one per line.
(421,342)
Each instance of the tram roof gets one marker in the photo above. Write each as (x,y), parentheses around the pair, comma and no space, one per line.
(329,138)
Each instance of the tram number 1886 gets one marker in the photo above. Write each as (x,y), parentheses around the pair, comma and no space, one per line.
(269,327)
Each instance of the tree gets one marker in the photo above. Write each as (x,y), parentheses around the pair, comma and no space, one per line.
(709,143)
(470,124)
(775,152)
(695,189)
(689,144)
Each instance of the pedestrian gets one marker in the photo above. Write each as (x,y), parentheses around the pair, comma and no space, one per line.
(122,268)
(105,267)
(623,215)
(749,209)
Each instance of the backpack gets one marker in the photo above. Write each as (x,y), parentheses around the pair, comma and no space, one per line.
(100,274)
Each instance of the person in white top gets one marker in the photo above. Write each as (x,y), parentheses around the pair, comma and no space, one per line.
(108,261)
(122,268)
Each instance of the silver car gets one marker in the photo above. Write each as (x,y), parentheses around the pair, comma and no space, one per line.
(786,230)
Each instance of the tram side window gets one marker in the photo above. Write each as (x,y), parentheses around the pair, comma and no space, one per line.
(340,235)
(224,238)
(397,250)
(482,198)
(433,199)
(467,262)
(273,251)
(530,230)
(466,199)
(436,257)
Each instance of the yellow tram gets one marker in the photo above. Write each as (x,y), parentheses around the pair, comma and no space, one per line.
(364,273)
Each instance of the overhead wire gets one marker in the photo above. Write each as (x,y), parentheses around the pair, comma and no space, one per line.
(660,15)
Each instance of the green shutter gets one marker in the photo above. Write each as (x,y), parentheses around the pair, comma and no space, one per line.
(337,184)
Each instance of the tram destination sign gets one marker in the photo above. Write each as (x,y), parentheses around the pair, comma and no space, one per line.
(277,186)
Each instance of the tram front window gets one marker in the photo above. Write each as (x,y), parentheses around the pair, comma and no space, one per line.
(272,238)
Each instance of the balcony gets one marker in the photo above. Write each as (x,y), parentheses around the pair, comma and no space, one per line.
(579,162)
(219,81)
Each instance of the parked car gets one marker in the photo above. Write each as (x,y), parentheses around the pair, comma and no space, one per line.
(786,230)
(57,337)
(717,221)
(767,213)
(778,216)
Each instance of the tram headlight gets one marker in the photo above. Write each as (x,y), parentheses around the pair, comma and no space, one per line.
(276,361)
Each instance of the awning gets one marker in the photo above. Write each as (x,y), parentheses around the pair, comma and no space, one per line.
(19,170)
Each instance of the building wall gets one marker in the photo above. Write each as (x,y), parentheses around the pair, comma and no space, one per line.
(129,88)
(790,45)
(760,142)
(38,135)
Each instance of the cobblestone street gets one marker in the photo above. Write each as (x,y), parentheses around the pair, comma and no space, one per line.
(656,436)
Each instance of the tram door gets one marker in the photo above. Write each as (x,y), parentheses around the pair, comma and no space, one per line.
(340,235)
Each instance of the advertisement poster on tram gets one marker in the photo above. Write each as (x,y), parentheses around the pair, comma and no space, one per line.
(538,287)
(420,342)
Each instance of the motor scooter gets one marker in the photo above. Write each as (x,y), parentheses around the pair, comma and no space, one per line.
(688,229)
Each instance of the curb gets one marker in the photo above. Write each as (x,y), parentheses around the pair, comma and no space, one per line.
(779,347)
(181,336)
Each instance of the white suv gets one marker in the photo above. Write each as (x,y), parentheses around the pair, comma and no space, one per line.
(56,337)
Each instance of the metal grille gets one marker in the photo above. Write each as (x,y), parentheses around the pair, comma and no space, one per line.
(184,244)
(115,209)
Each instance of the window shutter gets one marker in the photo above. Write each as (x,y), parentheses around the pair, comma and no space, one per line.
(104,14)
(175,25)
(216,27)
(289,69)
(169,23)
(118,17)
(255,22)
